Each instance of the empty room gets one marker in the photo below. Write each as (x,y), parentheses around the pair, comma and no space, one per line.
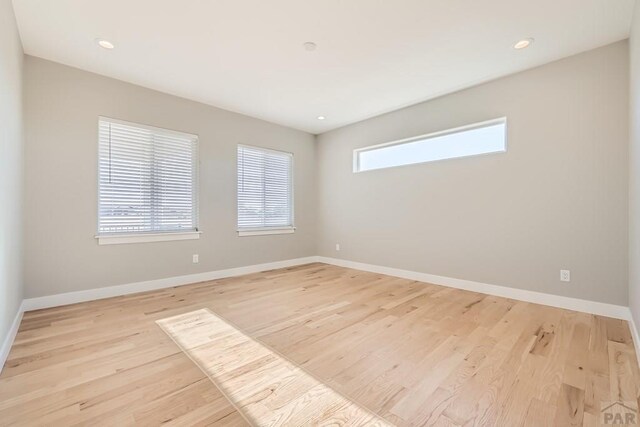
(302,213)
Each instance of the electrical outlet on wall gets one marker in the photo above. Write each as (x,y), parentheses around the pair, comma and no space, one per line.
(196,258)
(337,246)
(565,275)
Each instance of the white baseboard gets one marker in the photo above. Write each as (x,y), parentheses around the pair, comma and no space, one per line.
(586,306)
(592,307)
(151,285)
(132,288)
(11,336)
(634,333)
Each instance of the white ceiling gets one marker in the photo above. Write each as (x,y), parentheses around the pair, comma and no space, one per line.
(373,56)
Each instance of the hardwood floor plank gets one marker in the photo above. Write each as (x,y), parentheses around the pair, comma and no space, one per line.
(570,406)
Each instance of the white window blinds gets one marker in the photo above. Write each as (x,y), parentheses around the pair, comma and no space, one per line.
(148,179)
(265,189)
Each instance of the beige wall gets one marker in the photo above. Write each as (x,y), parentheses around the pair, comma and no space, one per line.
(634,172)
(62,109)
(11,154)
(556,200)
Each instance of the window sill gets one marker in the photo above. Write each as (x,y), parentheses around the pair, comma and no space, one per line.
(265,231)
(119,239)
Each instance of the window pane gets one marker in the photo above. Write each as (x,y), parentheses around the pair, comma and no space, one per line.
(147,179)
(264,188)
(487,138)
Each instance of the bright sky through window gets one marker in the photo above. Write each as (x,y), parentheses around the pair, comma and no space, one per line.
(482,138)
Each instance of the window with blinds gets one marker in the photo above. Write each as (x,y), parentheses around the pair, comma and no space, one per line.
(265,190)
(147,179)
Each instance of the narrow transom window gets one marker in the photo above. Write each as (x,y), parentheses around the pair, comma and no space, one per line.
(479,138)
(265,191)
(147,179)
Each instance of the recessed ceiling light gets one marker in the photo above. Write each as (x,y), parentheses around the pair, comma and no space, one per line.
(321,117)
(523,43)
(106,44)
(309,46)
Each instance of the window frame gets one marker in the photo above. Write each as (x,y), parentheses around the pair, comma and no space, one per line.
(263,231)
(154,235)
(459,129)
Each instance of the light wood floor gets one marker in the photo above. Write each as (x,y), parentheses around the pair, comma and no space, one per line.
(266,388)
(413,353)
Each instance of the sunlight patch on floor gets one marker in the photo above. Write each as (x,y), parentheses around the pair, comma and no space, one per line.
(266,388)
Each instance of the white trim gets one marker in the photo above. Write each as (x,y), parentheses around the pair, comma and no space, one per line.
(11,336)
(118,239)
(151,285)
(586,306)
(265,231)
(635,335)
(592,307)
